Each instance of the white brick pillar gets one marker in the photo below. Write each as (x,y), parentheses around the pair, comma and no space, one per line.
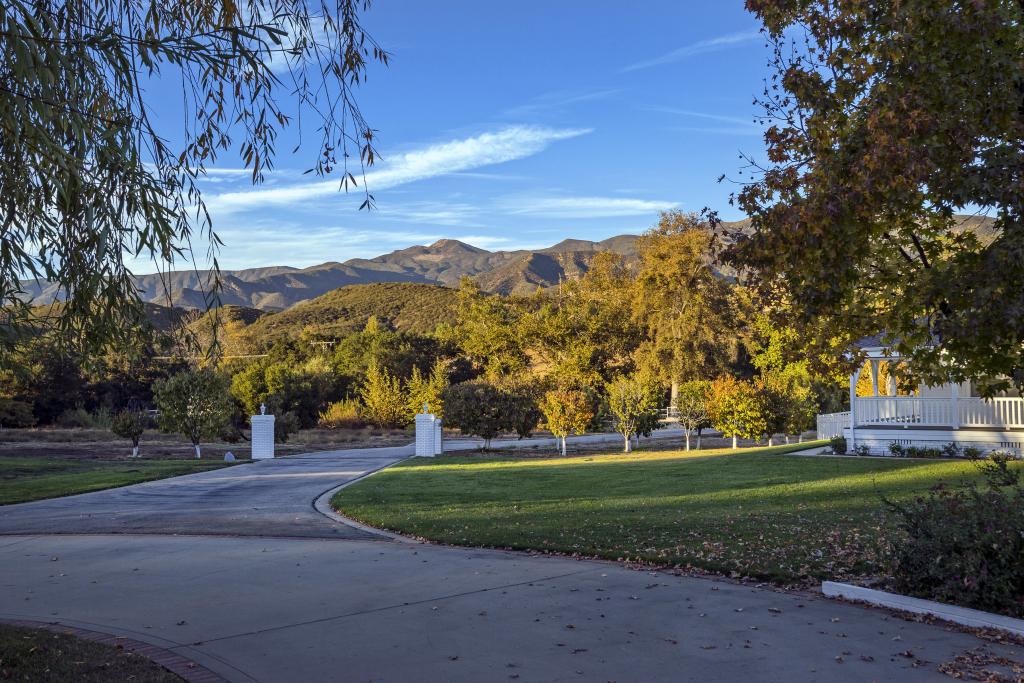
(262,436)
(426,436)
(438,438)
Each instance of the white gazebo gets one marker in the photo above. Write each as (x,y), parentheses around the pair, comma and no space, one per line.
(930,417)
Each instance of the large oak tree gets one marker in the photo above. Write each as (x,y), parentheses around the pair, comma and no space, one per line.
(886,120)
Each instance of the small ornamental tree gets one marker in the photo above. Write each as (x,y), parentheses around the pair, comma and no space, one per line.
(478,408)
(632,404)
(130,424)
(566,411)
(420,390)
(737,409)
(692,408)
(384,403)
(521,406)
(194,403)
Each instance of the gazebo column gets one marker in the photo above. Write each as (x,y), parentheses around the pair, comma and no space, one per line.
(874,377)
(954,409)
(853,409)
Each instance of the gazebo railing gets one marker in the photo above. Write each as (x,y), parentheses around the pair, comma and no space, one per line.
(939,412)
(832,424)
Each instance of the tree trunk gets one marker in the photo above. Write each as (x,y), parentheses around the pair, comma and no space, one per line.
(687,439)
(734,441)
(629,443)
(198,456)
(563,446)
(800,439)
(698,438)
(135,451)
(673,401)
(771,441)
(786,436)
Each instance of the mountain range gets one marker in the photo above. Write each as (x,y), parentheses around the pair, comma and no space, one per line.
(444,262)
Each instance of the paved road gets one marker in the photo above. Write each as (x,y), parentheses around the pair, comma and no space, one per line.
(315,600)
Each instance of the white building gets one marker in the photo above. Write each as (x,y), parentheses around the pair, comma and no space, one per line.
(930,417)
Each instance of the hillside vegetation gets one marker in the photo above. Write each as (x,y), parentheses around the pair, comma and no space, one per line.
(402,306)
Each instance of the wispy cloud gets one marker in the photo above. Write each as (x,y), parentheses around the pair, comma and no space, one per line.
(554,101)
(432,213)
(703,115)
(585,207)
(506,144)
(700,47)
(738,126)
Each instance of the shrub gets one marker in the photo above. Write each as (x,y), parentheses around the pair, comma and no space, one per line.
(947,451)
(972,453)
(80,418)
(522,409)
(16,414)
(965,546)
(343,414)
(838,444)
(862,450)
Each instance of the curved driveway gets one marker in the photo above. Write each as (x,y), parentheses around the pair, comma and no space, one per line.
(236,570)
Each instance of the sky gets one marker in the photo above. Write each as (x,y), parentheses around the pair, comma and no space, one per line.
(515,126)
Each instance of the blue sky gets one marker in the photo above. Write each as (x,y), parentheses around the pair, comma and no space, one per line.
(517,125)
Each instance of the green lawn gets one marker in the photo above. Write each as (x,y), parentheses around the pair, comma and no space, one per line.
(755,512)
(25,479)
(35,654)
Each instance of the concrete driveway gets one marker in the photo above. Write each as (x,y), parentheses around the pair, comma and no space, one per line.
(236,570)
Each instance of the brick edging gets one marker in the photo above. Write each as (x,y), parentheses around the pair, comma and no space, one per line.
(173,662)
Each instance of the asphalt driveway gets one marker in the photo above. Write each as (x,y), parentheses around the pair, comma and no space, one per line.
(236,570)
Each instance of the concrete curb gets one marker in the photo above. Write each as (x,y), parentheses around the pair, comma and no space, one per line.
(322,504)
(958,615)
(173,662)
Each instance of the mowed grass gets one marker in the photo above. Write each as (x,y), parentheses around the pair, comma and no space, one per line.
(25,479)
(757,512)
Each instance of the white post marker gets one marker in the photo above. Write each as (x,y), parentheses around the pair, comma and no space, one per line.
(426,434)
(262,435)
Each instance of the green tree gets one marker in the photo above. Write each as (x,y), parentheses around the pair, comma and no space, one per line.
(477,408)
(691,315)
(88,175)
(384,402)
(583,331)
(131,424)
(488,331)
(885,120)
(630,402)
(566,411)
(737,409)
(692,408)
(194,403)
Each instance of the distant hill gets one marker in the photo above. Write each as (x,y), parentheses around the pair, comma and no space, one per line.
(403,306)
